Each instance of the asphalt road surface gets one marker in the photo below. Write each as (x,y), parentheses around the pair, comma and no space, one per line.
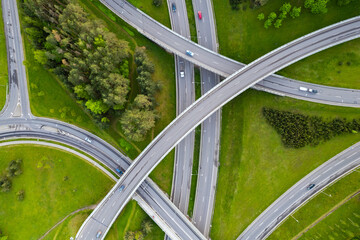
(185,96)
(292,199)
(114,202)
(210,128)
(219,64)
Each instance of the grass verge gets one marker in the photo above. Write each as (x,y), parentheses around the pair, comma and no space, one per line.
(47,192)
(243,37)
(338,225)
(3,64)
(255,167)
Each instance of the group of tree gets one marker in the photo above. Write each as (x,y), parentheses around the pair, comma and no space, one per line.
(284,10)
(316,6)
(235,4)
(146,228)
(92,62)
(157,3)
(140,116)
(14,169)
(81,51)
(298,130)
(343,2)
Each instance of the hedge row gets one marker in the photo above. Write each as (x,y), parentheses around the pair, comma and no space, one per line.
(298,130)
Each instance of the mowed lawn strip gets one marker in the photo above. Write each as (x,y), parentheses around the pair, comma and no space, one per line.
(320,205)
(3,64)
(243,37)
(55,183)
(255,168)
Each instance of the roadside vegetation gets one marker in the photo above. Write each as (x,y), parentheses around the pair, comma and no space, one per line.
(3,64)
(55,101)
(255,166)
(243,37)
(333,214)
(50,183)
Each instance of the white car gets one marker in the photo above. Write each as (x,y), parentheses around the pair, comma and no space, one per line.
(88,140)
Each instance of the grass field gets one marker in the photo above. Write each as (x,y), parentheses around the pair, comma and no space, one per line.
(343,223)
(255,168)
(242,36)
(48,197)
(3,64)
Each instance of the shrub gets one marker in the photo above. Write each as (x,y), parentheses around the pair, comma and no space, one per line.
(157,3)
(261,16)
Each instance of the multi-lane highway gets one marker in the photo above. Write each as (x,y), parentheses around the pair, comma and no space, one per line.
(219,64)
(110,207)
(185,96)
(298,194)
(210,128)
(16,121)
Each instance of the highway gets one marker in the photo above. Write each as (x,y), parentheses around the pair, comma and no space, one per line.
(297,195)
(222,65)
(16,121)
(210,128)
(185,96)
(111,206)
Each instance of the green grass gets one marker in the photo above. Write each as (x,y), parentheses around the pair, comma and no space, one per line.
(191,18)
(338,66)
(3,64)
(255,168)
(48,198)
(130,219)
(322,204)
(242,36)
(160,14)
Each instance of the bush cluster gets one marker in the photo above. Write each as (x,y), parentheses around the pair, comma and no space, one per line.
(235,4)
(277,19)
(13,169)
(298,130)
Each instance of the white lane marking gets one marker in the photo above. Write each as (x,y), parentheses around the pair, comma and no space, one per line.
(215,62)
(103,220)
(176,43)
(291,196)
(159,33)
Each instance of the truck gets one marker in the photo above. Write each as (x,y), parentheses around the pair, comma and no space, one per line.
(305,89)
(182,68)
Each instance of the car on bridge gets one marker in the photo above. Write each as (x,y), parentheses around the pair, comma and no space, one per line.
(189,53)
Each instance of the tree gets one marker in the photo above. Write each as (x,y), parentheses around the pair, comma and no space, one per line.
(295,12)
(129,235)
(5,183)
(40,56)
(272,16)
(282,15)
(97,107)
(142,102)
(267,23)
(316,6)
(261,16)
(235,4)
(139,235)
(136,123)
(259,3)
(157,3)
(277,23)
(146,227)
(286,7)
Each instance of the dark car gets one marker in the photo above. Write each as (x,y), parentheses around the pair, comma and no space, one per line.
(310,186)
(173,6)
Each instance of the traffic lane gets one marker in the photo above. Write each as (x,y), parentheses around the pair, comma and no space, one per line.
(298,194)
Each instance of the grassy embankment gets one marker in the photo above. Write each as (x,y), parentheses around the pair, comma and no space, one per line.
(342,223)
(255,168)
(243,37)
(3,64)
(49,196)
